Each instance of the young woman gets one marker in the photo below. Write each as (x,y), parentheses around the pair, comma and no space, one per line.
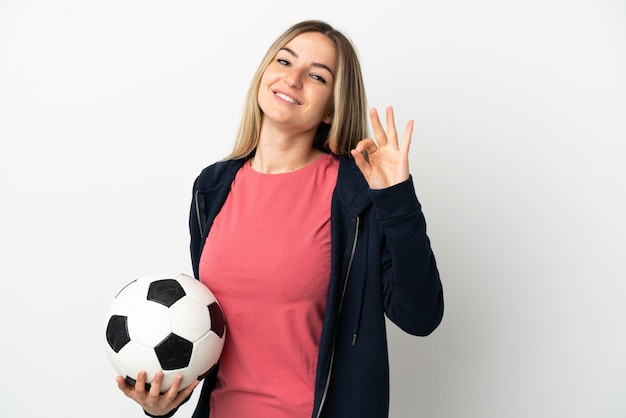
(309,233)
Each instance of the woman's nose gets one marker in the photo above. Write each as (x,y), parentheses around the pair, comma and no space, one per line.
(294,79)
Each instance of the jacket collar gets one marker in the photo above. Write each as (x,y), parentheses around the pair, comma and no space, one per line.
(219,174)
(351,189)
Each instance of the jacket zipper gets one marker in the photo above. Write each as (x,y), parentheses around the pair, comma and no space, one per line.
(198,212)
(343,294)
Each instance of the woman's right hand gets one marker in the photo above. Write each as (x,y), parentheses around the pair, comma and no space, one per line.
(153,401)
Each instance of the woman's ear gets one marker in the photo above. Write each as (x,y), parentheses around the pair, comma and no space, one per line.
(328,119)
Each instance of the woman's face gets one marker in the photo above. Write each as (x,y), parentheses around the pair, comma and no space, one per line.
(296,89)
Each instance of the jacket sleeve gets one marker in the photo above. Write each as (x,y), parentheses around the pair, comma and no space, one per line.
(194,231)
(412,291)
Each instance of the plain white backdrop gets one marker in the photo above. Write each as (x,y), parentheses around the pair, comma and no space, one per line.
(109,109)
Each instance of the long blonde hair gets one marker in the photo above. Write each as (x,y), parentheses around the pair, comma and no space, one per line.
(350,105)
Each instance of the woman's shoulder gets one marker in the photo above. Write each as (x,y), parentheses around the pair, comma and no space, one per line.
(350,175)
(217,172)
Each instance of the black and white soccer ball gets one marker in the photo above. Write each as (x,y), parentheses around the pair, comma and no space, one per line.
(168,322)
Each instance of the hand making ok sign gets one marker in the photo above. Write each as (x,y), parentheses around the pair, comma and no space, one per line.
(384,162)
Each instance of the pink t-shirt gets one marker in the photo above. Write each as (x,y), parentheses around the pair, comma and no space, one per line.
(267,260)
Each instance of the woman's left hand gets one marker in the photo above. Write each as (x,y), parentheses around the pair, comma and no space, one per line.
(387,163)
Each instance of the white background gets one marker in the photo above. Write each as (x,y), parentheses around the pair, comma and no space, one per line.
(109,109)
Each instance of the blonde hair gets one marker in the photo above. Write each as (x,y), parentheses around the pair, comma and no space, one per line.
(349,124)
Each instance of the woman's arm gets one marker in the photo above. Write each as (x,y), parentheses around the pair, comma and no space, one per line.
(412,291)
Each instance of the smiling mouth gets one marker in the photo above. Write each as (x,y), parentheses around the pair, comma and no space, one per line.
(287,98)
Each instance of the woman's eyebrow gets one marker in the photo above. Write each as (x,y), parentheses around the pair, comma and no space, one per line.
(314,64)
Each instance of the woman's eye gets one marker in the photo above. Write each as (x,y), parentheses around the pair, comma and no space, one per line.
(318,78)
(282,61)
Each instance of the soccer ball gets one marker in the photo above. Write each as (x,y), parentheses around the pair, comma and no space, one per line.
(168,322)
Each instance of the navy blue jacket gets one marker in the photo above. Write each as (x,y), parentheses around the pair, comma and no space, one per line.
(382,263)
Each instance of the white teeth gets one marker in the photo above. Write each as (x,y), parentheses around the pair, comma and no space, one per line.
(287,98)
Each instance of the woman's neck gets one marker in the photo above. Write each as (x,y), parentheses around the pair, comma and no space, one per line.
(268,160)
(277,153)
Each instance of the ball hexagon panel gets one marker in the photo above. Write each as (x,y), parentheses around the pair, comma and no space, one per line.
(206,352)
(149,323)
(184,309)
(136,357)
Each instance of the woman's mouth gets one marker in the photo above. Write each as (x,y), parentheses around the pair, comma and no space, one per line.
(287,98)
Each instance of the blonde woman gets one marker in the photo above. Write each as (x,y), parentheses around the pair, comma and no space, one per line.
(309,234)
